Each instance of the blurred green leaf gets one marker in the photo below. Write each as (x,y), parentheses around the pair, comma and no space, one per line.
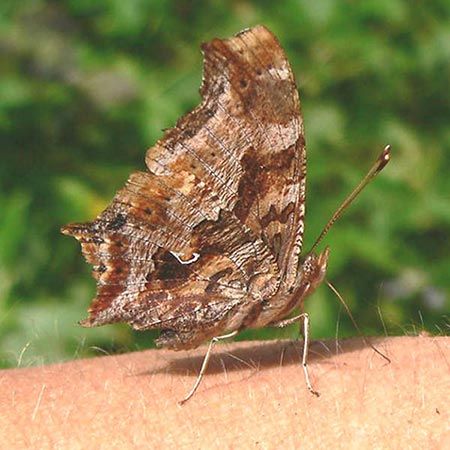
(86,87)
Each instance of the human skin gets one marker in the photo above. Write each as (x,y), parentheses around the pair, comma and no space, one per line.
(253,396)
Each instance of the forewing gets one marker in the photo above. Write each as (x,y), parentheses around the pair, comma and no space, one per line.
(246,142)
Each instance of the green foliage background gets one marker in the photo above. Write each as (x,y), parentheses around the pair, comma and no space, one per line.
(87,86)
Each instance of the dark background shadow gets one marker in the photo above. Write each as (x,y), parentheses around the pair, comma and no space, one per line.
(260,355)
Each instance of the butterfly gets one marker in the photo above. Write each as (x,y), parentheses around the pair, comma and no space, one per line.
(207,241)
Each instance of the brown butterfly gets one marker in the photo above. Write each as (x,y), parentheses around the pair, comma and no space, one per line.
(207,241)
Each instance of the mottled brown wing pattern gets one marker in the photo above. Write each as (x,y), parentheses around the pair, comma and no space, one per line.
(246,140)
(218,217)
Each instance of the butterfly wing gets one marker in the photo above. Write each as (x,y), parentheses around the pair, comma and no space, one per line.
(223,201)
(246,142)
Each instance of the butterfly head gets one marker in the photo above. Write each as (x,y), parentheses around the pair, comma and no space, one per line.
(313,270)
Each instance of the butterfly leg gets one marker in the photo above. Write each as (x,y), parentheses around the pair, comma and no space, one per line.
(212,342)
(304,317)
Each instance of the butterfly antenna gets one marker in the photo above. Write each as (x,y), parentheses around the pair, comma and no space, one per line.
(366,341)
(376,168)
